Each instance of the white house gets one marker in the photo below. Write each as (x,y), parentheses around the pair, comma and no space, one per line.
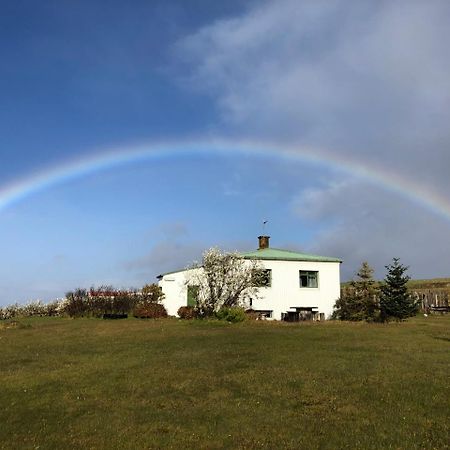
(298,285)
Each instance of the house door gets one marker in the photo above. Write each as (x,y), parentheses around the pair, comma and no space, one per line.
(192,294)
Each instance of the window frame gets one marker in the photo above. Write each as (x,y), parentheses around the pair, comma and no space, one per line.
(308,273)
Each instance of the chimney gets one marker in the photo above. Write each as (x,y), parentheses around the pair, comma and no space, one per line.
(263,242)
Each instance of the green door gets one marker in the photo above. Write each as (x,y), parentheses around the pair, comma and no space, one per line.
(192,293)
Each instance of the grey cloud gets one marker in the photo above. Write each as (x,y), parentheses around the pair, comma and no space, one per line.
(367,80)
(373,225)
(168,255)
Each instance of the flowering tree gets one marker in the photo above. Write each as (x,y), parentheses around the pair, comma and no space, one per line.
(222,280)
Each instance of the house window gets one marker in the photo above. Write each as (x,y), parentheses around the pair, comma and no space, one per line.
(264,313)
(262,278)
(192,294)
(309,279)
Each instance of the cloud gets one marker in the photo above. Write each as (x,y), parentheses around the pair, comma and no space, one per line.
(372,225)
(166,256)
(174,249)
(368,81)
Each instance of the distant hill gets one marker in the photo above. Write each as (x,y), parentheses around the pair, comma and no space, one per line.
(419,285)
(433,284)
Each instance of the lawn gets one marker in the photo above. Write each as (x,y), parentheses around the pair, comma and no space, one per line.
(135,384)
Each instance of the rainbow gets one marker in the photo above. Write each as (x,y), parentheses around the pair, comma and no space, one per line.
(114,157)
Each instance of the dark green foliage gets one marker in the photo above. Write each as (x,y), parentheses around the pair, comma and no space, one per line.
(346,307)
(359,300)
(186,312)
(396,302)
(232,314)
(150,311)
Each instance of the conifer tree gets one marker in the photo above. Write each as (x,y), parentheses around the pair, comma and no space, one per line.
(359,300)
(396,302)
(366,293)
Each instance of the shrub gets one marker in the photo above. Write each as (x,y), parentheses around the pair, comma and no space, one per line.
(233,314)
(149,311)
(152,293)
(186,312)
(34,308)
(52,308)
(107,300)
(10,311)
(76,304)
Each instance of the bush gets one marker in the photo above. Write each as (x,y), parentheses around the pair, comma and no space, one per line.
(149,311)
(10,311)
(233,314)
(152,293)
(186,312)
(76,304)
(31,309)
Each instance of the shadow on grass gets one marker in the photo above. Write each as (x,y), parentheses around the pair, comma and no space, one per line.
(442,338)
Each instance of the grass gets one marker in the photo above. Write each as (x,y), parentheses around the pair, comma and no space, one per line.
(433,283)
(135,384)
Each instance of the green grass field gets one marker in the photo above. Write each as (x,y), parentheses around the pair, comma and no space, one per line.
(135,384)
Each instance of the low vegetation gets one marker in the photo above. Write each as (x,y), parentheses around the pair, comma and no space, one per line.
(365,299)
(203,384)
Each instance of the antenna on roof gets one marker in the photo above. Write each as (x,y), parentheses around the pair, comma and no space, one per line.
(264,225)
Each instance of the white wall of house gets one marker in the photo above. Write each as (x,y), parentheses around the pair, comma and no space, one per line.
(284,293)
(174,286)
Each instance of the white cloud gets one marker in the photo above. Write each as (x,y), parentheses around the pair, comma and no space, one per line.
(367,81)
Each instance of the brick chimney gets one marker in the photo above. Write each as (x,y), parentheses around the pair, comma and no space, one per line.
(263,242)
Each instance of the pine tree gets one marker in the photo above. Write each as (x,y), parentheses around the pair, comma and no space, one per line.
(366,292)
(395,301)
(359,300)
(345,307)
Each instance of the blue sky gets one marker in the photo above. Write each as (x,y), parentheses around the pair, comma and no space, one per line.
(365,82)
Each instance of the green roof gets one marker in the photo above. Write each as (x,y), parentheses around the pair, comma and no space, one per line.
(277,254)
(274,254)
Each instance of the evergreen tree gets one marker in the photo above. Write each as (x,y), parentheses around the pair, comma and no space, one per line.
(395,301)
(359,301)
(366,292)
